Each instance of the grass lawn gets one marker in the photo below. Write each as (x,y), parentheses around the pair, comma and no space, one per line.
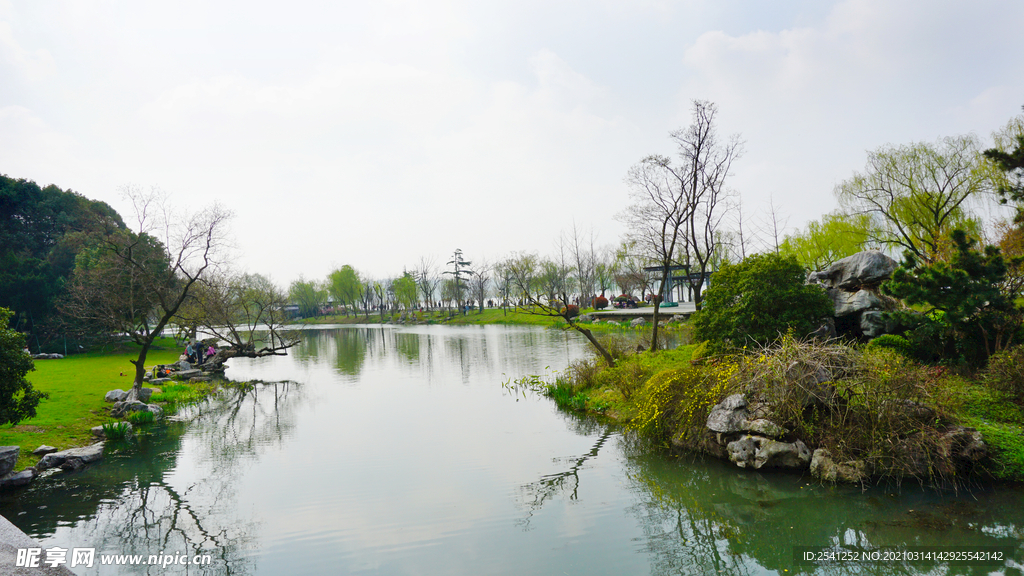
(76,386)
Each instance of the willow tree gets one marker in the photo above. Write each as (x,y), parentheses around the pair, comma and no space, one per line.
(917,194)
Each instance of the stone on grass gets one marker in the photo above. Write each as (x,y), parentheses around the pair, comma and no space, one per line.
(44,450)
(637,322)
(8,458)
(115,395)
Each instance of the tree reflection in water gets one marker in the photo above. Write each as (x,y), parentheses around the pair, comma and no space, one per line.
(532,496)
(706,517)
(139,500)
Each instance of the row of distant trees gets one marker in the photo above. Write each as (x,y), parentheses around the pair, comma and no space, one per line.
(71,266)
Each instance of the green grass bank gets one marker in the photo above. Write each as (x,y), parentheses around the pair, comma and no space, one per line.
(76,385)
(874,406)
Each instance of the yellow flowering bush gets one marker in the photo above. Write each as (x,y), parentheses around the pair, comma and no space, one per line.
(677,401)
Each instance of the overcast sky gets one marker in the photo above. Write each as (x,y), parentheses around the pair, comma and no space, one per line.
(377,133)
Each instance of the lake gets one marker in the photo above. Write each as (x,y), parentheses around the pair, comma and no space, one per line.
(397,450)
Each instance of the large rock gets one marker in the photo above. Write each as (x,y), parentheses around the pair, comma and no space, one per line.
(847,303)
(868,268)
(115,395)
(8,458)
(637,322)
(732,416)
(776,454)
(825,469)
(728,416)
(964,446)
(742,452)
(757,452)
(763,427)
(873,324)
(43,450)
(86,455)
(186,374)
(16,479)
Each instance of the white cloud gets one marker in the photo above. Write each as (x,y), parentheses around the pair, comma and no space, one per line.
(33,65)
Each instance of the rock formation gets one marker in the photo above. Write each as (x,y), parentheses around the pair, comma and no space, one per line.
(852,284)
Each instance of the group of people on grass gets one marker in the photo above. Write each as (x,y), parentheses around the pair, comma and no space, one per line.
(197,352)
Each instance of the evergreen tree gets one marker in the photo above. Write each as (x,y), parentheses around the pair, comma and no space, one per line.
(18,400)
(968,313)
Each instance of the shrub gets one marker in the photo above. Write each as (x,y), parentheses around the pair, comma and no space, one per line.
(583,373)
(600,302)
(18,399)
(678,401)
(1005,373)
(571,310)
(874,405)
(757,300)
(893,342)
(565,394)
(141,417)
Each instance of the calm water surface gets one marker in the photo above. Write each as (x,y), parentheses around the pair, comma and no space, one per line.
(387,450)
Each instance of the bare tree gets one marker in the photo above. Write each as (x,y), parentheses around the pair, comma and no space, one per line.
(480,282)
(503,282)
(656,219)
(584,261)
(134,282)
(706,162)
(773,225)
(677,208)
(427,280)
